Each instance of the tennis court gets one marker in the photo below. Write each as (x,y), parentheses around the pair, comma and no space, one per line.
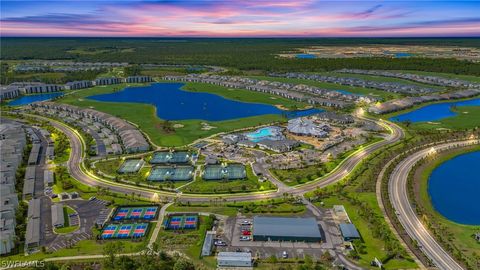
(131,166)
(129,213)
(169,173)
(230,172)
(170,157)
(181,221)
(122,231)
(236,171)
(213,172)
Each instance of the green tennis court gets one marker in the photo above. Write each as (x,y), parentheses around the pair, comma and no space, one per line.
(169,173)
(230,172)
(179,157)
(131,166)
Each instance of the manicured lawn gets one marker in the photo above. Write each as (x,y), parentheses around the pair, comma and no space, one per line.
(145,117)
(249,184)
(205,207)
(332,86)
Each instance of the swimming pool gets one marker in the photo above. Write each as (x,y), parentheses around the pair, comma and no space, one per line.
(271,133)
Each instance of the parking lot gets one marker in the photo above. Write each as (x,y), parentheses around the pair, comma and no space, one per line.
(241,240)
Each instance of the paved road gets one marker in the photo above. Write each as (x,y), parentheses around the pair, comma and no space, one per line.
(77,155)
(397,187)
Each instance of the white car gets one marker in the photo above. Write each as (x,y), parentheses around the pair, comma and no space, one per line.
(245,238)
(284,255)
(246,222)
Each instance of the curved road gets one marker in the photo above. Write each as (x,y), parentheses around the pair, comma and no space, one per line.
(75,164)
(397,189)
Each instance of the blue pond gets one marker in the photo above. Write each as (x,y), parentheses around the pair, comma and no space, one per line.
(305,56)
(24,100)
(434,112)
(402,55)
(173,103)
(453,188)
(345,92)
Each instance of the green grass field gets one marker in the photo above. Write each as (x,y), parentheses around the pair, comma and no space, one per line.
(357,90)
(145,117)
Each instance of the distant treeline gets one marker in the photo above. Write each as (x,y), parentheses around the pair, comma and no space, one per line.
(243,54)
(8,76)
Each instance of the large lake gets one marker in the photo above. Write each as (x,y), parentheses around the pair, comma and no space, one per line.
(434,112)
(173,103)
(453,188)
(24,100)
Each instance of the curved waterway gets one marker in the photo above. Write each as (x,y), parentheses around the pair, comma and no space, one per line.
(454,188)
(434,112)
(25,100)
(173,103)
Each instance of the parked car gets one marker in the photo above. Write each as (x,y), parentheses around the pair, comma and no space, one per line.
(220,243)
(246,232)
(284,254)
(246,222)
(245,238)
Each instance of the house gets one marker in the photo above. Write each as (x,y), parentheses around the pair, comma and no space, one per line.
(78,85)
(48,179)
(107,81)
(278,146)
(139,79)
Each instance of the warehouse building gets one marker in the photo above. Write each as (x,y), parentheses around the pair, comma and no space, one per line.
(234,259)
(349,231)
(286,229)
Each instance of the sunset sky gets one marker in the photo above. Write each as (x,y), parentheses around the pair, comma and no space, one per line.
(234,18)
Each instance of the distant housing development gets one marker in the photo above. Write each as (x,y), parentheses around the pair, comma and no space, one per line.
(395,87)
(299,92)
(16,89)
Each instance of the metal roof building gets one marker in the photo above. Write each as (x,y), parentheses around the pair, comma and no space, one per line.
(208,243)
(58,220)
(234,259)
(349,232)
(286,229)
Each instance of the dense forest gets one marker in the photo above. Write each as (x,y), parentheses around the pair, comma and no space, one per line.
(243,54)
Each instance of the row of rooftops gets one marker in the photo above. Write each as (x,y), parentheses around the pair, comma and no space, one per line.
(300,92)
(427,79)
(132,139)
(12,144)
(394,87)
(408,102)
(15,89)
